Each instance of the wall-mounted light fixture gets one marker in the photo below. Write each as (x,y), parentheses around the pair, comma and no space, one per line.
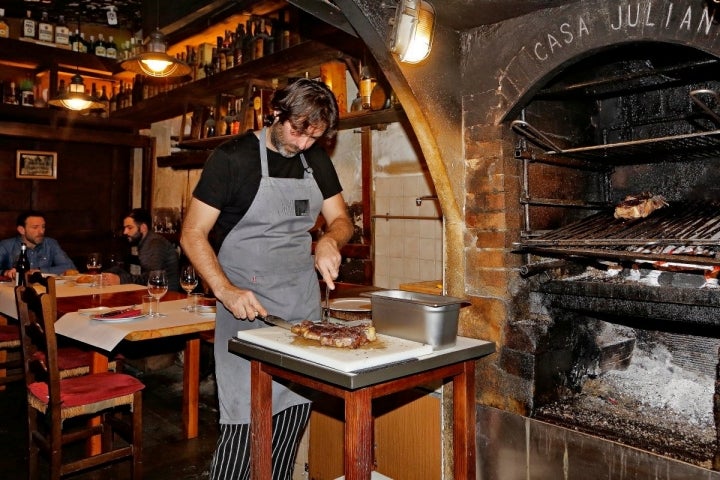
(155,62)
(74,97)
(412,31)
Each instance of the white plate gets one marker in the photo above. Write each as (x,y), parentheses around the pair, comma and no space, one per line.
(69,278)
(351,304)
(83,284)
(93,311)
(116,320)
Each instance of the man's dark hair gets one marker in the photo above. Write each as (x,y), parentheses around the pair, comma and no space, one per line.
(22,218)
(140,216)
(306,103)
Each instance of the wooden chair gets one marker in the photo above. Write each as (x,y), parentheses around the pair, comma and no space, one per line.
(115,397)
(73,361)
(11,367)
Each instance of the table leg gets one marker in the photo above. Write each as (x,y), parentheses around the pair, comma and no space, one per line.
(464,421)
(260,422)
(358,435)
(98,363)
(191,387)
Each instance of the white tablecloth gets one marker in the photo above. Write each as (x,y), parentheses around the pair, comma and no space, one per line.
(69,289)
(106,335)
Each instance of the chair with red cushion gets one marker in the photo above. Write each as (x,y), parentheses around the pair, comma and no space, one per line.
(72,360)
(11,369)
(114,397)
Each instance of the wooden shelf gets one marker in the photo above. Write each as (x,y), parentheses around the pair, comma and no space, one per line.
(38,57)
(195,152)
(289,62)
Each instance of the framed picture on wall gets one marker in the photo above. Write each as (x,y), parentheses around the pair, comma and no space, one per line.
(36,165)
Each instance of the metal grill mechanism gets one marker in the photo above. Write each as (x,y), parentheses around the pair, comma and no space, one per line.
(682,232)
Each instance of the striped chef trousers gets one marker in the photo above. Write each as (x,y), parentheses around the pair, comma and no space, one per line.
(231,460)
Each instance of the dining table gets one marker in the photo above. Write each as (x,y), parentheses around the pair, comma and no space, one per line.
(77,302)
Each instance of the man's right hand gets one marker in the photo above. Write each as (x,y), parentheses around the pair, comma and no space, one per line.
(242,303)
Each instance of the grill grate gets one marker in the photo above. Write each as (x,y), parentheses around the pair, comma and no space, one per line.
(688,232)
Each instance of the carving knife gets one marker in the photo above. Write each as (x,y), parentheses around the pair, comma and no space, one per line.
(276,321)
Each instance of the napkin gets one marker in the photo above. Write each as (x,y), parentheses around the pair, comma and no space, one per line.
(120,314)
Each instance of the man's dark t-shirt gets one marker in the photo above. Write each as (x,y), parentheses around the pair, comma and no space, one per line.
(231,178)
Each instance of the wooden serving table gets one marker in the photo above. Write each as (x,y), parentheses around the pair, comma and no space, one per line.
(191,367)
(358,389)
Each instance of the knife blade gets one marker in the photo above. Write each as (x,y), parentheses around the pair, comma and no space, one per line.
(276,321)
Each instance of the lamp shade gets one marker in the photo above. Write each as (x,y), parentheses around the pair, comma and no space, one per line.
(155,62)
(75,98)
(413,30)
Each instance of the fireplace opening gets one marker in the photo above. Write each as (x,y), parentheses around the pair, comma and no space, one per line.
(626,310)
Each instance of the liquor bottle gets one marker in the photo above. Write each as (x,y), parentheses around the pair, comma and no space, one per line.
(99,48)
(4,27)
(29,26)
(210,124)
(11,96)
(84,44)
(22,266)
(229,118)
(257,110)
(235,126)
(113,100)
(105,100)
(75,42)
(238,46)
(111,50)
(259,38)
(45,29)
(269,43)
(62,32)
(248,46)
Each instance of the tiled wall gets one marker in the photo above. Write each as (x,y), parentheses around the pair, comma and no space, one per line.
(406,250)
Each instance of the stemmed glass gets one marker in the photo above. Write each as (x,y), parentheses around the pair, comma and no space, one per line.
(188,282)
(94,265)
(157,287)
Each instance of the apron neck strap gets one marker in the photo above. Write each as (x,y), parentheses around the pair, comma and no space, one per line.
(264,157)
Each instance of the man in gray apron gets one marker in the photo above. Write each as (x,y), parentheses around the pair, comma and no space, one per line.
(260,194)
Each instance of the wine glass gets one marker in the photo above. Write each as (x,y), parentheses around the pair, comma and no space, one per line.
(188,282)
(157,287)
(94,265)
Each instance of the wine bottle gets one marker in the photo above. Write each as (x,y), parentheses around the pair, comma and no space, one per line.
(210,124)
(22,266)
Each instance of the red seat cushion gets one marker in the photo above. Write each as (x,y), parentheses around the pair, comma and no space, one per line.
(9,333)
(87,389)
(73,357)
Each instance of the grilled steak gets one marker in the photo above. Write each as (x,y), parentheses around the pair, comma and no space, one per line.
(334,335)
(639,206)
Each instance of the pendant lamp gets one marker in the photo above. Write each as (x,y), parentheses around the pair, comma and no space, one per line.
(155,62)
(75,98)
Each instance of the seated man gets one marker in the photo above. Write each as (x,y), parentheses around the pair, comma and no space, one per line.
(43,252)
(148,251)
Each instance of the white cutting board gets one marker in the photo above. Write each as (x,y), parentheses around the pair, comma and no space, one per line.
(384,350)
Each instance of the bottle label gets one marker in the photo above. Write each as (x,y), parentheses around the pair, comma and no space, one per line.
(4,30)
(29,28)
(45,32)
(62,36)
(111,52)
(100,50)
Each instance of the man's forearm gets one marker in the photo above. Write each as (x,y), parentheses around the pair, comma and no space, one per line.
(198,249)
